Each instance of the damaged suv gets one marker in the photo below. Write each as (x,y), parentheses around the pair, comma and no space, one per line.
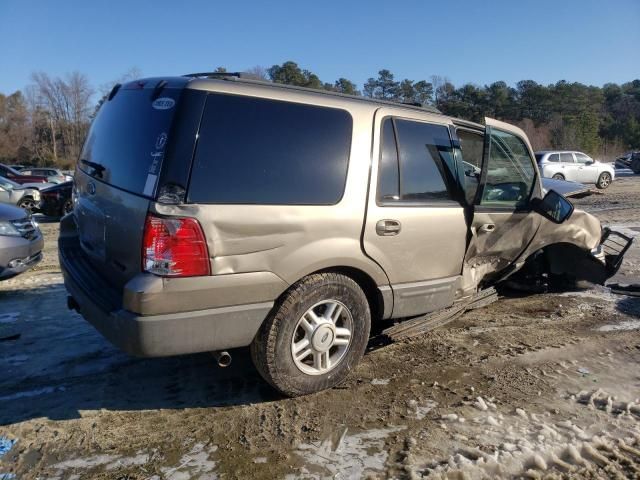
(215,212)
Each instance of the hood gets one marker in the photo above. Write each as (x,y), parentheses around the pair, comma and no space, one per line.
(9,212)
(565,188)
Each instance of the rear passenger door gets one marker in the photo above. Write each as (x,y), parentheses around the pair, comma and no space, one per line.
(569,168)
(414,228)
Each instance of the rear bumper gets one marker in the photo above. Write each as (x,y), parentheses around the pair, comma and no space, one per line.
(152,318)
(174,333)
(18,254)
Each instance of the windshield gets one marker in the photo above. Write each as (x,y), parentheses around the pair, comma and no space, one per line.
(8,184)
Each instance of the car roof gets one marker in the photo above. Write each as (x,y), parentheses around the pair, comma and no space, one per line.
(208,81)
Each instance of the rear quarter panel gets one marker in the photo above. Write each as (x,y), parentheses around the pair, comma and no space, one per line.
(293,240)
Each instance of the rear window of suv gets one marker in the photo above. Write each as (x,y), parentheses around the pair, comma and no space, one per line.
(127,139)
(260,151)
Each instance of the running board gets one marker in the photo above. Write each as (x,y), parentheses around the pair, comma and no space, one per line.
(426,323)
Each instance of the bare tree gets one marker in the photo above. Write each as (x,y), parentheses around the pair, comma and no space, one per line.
(66,105)
(259,71)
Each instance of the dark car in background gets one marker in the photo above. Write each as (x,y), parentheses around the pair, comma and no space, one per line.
(56,201)
(52,175)
(16,176)
(629,160)
(21,242)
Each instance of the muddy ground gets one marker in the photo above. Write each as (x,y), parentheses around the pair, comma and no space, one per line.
(541,386)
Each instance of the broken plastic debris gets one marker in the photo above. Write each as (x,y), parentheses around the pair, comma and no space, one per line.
(584,371)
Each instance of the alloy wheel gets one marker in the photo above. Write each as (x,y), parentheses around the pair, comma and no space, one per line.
(322,337)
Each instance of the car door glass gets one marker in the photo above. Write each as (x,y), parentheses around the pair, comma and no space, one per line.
(582,158)
(554,157)
(423,150)
(566,158)
(510,175)
(472,147)
(388,169)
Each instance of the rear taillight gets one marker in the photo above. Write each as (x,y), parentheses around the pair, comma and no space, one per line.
(174,247)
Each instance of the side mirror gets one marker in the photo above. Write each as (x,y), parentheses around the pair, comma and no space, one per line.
(589,162)
(553,206)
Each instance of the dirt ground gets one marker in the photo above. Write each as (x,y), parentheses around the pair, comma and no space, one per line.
(539,386)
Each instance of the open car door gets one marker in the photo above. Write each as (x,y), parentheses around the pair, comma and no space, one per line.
(502,223)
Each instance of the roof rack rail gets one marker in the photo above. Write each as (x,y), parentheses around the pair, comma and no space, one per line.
(244,75)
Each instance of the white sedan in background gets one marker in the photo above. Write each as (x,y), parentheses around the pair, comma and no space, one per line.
(574,167)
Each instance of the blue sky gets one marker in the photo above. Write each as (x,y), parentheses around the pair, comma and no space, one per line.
(590,41)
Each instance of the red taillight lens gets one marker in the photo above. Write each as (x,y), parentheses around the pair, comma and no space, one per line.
(174,247)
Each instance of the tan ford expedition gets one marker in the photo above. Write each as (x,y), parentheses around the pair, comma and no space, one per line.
(215,211)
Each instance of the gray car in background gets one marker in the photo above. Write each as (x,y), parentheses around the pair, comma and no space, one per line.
(22,196)
(53,175)
(21,242)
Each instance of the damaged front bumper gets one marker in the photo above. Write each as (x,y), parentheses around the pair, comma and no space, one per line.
(613,246)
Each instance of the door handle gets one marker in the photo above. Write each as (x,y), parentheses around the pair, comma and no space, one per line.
(487,228)
(387,228)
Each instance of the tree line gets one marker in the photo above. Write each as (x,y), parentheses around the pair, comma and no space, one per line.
(47,122)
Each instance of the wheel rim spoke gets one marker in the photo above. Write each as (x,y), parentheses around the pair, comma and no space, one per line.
(321,340)
(343,336)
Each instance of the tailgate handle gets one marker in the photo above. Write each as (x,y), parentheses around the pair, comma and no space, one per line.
(386,228)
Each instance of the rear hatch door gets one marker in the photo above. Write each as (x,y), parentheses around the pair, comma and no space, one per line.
(118,174)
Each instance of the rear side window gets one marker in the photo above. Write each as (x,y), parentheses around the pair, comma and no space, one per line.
(554,157)
(260,151)
(566,158)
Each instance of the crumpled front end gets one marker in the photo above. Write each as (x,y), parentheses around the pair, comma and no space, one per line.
(578,249)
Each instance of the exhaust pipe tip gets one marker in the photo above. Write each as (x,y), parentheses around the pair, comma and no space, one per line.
(223,358)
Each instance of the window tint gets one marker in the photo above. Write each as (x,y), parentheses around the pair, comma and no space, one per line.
(472,147)
(258,151)
(510,173)
(554,157)
(388,174)
(423,149)
(582,158)
(127,139)
(566,158)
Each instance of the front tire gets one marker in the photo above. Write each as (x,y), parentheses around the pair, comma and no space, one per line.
(604,180)
(558,176)
(315,335)
(28,204)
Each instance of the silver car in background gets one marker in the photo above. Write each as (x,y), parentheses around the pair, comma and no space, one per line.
(23,196)
(21,242)
(574,167)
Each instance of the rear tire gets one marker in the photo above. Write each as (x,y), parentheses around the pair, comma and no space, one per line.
(558,176)
(604,180)
(312,315)
(67,207)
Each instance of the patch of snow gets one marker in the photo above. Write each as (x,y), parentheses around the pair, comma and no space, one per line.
(626,325)
(380,381)
(195,464)
(358,455)
(9,317)
(32,393)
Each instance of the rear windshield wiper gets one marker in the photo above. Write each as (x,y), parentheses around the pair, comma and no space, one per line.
(98,167)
